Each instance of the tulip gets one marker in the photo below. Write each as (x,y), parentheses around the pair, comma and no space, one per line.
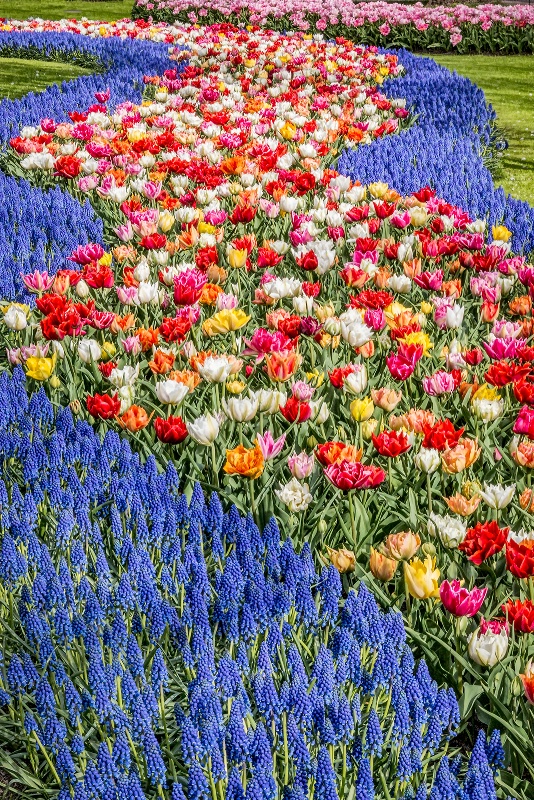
(205,429)
(385,398)
(458,458)
(356,380)
(249,463)
(400,546)
(171,430)
(224,321)
(301,465)
(237,258)
(347,475)
(422,578)
(362,410)
(334,452)
(450,531)
(497,496)
(215,369)
(459,601)
(461,505)
(39,368)
(343,560)
(295,495)
(527,680)
(241,409)
(15,317)
(269,446)
(270,400)
(37,281)
(171,391)
(427,460)
(282,365)
(382,567)
(488,644)
(134,419)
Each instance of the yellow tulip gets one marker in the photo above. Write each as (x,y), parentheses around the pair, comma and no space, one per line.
(235,387)
(378,189)
(166,221)
(422,578)
(418,216)
(108,351)
(205,227)
(288,130)
(40,368)
(501,233)
(224,321)
(237,258)
(418,337)
(362,410)
(105,261)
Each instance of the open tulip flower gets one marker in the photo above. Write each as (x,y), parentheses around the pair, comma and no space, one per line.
(460,601)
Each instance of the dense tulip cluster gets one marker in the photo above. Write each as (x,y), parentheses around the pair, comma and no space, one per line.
(351,359)
(155,645)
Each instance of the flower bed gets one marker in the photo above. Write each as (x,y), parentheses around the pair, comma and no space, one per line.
(487,28)
(351,360)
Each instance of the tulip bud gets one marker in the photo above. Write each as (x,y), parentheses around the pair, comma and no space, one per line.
(429,549)
(382,567)
(368,428)
(322,527)
(427,460)
(75,406)
(362,410)
(54,382)
(342,559)
(82,289)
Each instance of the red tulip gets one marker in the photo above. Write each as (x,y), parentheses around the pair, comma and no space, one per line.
(483,541)
(103,406)
(520,614)
(347,475)
(391,443)
(171,430)
(520,558)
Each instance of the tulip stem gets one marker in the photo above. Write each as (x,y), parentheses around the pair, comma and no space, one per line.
(352,524)
(214,465)
(407,595)
(252,503)
(429,493)
(459,670)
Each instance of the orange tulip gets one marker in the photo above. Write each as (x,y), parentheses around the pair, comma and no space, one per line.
(135,419)
(523,453)
(282,365)
(122,323)
(209,294)
(456,459)
(334,452)
(461,505)
(520,305)
(415,420)
(162,362)
(148,337)
(246,462)
(385,398)
(234,165)
(526,500)
(343,560)
(382,567)
(402,545)
(412,268)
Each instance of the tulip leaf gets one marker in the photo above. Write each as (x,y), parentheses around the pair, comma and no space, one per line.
(471,693)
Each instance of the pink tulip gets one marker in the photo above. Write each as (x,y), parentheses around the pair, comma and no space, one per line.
(300,465)
(440,382)
(497,349)
(188,287)
(85,253)
(302,391)
(38,281)
(132,345)
(269,446)
(459,601)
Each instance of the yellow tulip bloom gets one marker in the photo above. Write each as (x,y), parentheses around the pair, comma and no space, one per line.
(362,410)
(288,130)
(237,258)
(224,321)
(422,578)
(418,337)
(501,233)
(40,368)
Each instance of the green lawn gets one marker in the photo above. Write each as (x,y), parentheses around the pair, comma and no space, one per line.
(508,84)
(105,10)
(19,76)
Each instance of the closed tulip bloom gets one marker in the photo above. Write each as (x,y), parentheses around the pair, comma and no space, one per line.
(282,365)
(460,601)
(15,317)
(241,409)
(402,545)
(301,465)
(135,419)
(382,567)
(488,644)
(362,410)
(89,350)
(356,381)
(171,391)
(205,429)
(343,560)
(224,321)
(39,368)
(461,505)
(270,400)
(422,578)
(427,460)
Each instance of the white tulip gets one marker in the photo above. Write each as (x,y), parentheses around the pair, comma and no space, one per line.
(295,495)
(487,647)
(126,376)
(241,409)
(451,531)
(171,391)
(497,496)
(215,369)
(356,381)
(89,350)
(427,459)
(15,318)
(270,400)
(205,429)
